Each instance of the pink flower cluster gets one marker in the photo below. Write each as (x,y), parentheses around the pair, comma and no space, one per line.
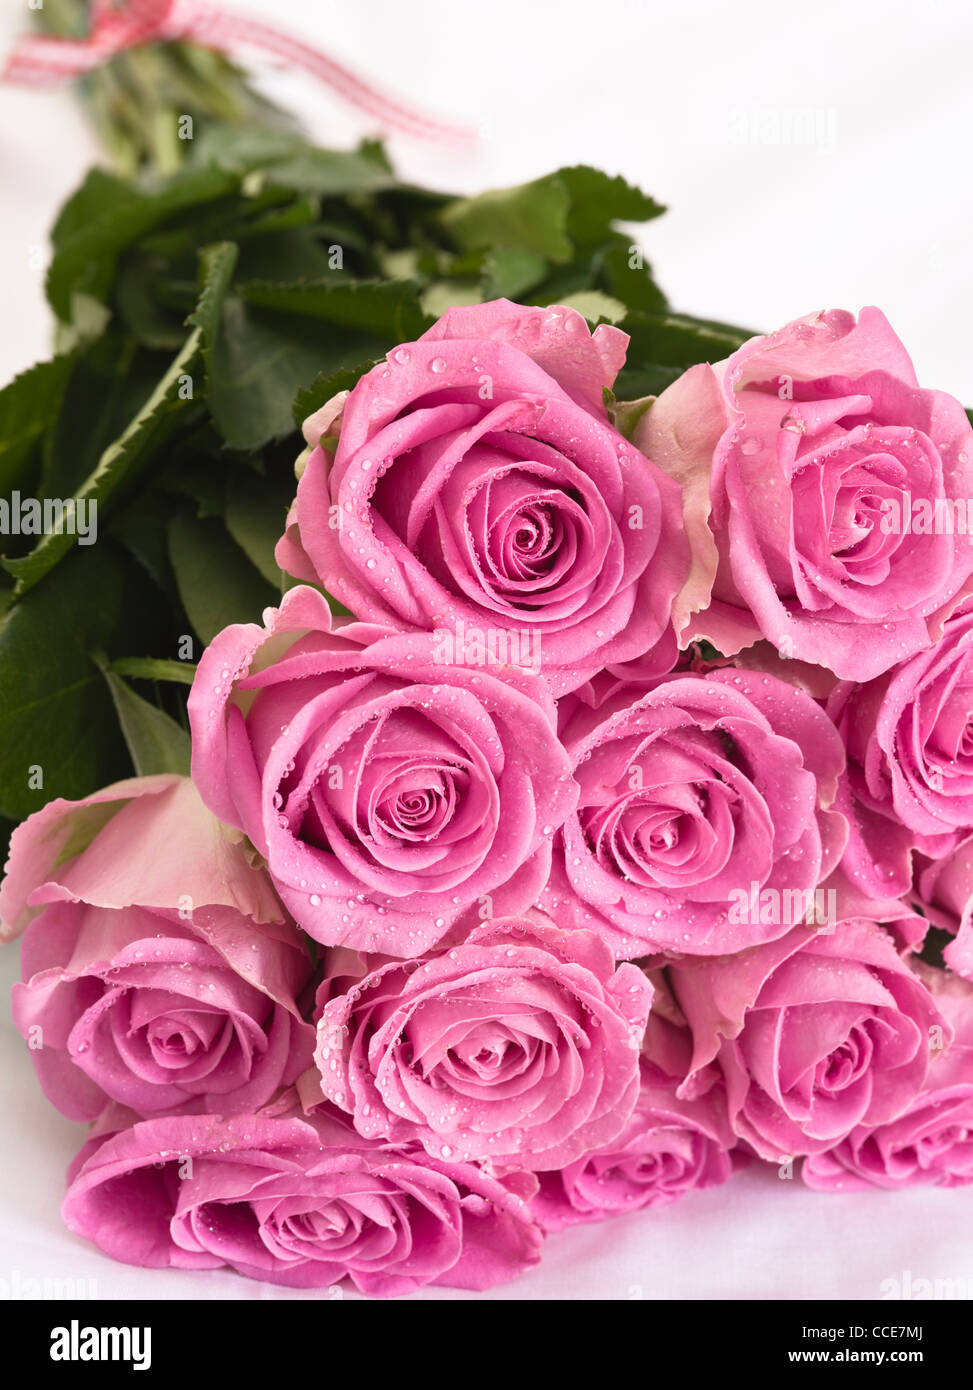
(604,848)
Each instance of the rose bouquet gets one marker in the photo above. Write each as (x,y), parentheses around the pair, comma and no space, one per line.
(586,812)
(503,901)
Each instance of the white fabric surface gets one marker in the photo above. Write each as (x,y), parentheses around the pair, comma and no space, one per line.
(812,157)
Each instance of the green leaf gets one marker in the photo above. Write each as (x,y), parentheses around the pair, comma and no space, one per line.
(256,364)
(731,331)
(313,397)
(510,273)
(141,527)
(149,426)
(401,264)
(217,264)
(256,512)
(299,254)
(85,260)
(387,308)
(283,158)
(548,218)
(217,583)
(446,294)
(531,217)
(100,195)
(138,288)
(151,668)
(201,478)
(331,172)
(296,212)
(242,148)
(88,320)
(662,346)
(635,382)
(595,305)
(155,742)
(55,711)
(626,415)
(622,270)
(106,386)
(259,355)
(27,407)
(677,341)
(598,200)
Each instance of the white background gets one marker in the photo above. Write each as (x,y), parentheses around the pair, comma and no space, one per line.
(710,107)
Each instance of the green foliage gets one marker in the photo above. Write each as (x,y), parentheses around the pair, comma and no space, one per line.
(58,727)
(664,344)
(205,306)
(156,743)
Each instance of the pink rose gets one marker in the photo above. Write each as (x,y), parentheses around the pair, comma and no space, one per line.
(476,484)
(943,891)
(296,1201)
(702,824)
(519,1045)
(669,1147)
(388,792)
(815,1034)
(825,461)
(909,738)
(160,971)
(932,1141)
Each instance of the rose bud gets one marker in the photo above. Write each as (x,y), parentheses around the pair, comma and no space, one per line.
(160,970)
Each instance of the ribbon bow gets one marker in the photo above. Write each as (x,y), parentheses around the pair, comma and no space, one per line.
(40,58)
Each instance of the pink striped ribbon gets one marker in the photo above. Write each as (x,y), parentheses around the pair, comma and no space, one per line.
(39,58)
